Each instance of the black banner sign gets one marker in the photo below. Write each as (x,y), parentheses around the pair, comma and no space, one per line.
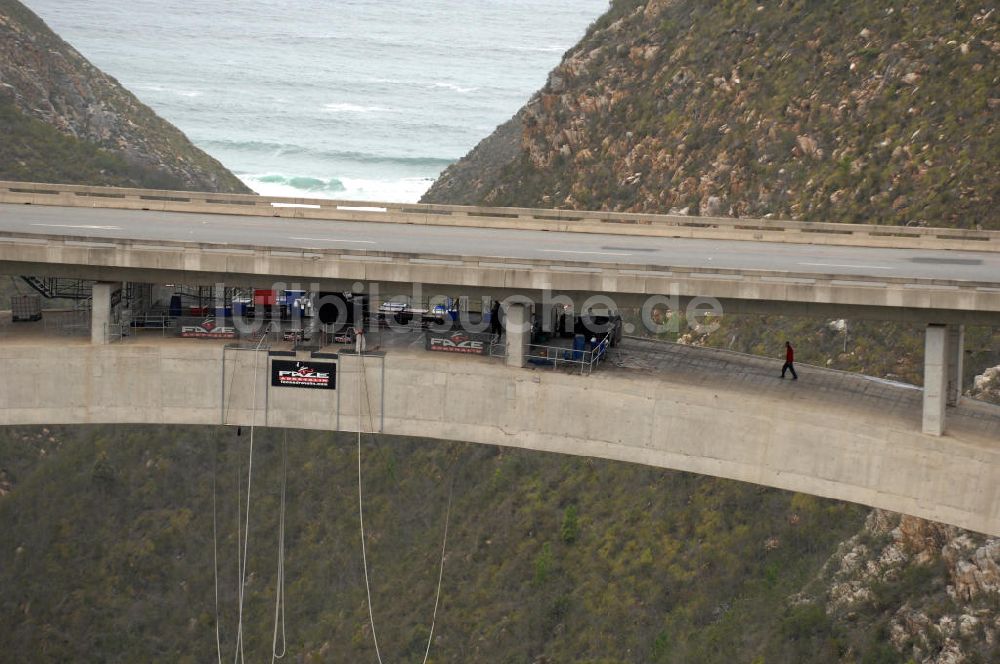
(206,328)
(316,375)
(458,341)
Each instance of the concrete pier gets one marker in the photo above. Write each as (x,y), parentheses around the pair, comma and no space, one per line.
(935,378)
(518,331)
(944,348)
(101,310)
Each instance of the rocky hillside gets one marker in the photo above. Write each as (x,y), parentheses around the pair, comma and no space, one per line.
(931,589)
(877,112)
(850,111)
(64,120)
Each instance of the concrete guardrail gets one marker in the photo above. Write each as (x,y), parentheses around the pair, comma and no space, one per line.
(614,223)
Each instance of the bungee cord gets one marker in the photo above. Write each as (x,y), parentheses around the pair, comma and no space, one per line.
(361,519)
(364,554)
(215,550)
(437,596)
(239,657)
(361,511)
(279,642)
(279,591)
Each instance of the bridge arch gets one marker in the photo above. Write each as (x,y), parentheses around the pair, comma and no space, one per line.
(832,435)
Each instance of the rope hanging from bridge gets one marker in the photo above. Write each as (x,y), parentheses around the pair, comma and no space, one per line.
(239,657)
(215,550)
(243,535)
(361,519)
(279,591)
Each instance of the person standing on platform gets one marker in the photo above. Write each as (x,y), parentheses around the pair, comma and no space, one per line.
(360,343)
(789,361)
(496,326)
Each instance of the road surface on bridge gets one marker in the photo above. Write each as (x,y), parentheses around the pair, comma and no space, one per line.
(306,234)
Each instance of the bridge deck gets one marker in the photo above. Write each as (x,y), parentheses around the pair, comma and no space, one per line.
(305,234)
(843,394)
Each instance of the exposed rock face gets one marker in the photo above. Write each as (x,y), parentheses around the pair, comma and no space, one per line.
(847,111)
(46,79)
(472,178)
(953,579)
(986,386)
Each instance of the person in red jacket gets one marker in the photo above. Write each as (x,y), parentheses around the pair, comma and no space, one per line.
(789,361)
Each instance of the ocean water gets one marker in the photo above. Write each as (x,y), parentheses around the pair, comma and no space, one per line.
(350,99)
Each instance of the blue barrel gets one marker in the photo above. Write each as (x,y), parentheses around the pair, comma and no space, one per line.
(239,308)
(579,345)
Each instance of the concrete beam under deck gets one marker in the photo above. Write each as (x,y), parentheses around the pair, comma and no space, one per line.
(833,301)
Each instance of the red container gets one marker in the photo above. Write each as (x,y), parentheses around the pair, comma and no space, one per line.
(265,298)
(199,311)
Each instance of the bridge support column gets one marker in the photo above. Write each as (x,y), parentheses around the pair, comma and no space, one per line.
(935,378)
(518,330)
(100,311)
(219,301)
(955,353)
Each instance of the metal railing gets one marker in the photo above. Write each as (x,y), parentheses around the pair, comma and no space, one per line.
(498,348)
(562,357)
(150,321)
(72,323)
(116,332)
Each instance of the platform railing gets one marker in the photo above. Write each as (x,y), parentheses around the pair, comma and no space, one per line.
(562,357)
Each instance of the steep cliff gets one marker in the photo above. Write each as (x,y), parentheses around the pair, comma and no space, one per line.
(844,110)
(64,120)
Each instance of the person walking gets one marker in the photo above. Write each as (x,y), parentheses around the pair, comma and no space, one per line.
(789,361)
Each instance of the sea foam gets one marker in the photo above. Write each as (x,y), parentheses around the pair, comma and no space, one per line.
(354,108)
(398,190)
(453,87)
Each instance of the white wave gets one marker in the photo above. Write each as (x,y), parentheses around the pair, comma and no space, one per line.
(539,49)
(401,190)
(453,87)
(179,93)
(354,108)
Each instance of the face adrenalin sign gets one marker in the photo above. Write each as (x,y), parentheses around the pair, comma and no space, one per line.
(315,375)
(208,328)
(470,343)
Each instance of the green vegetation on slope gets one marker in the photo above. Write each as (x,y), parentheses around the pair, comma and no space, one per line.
(46,79)
(107,551)
(33,151)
